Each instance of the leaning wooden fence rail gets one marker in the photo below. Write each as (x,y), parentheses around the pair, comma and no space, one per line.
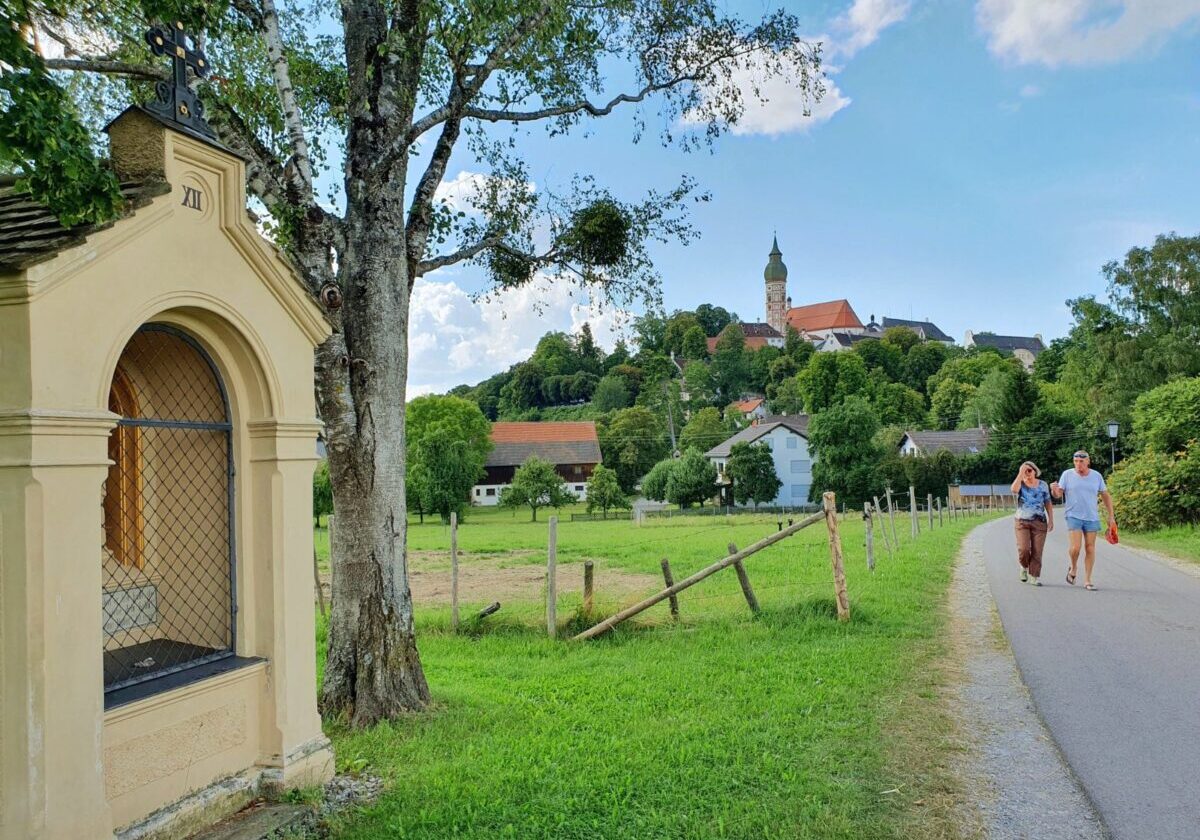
(670,591)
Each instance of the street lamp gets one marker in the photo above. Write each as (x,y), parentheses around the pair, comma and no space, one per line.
(1113,429)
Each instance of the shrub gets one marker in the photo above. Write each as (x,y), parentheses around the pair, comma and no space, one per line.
(1156,489)
(1167,417)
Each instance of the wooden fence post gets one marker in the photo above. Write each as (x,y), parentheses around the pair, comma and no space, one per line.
(892,518)
(940,522)
(835,556)
(869,522)
(912,510)
(454,569)
(551,584)
(588,580)
(744,580)
(929,505)
(669,579)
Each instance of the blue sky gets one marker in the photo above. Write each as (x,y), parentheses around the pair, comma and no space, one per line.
(975,163)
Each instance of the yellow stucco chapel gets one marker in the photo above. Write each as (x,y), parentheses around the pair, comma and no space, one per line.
(157,444)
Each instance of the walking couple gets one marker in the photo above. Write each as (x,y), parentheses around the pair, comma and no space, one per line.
(1035,516)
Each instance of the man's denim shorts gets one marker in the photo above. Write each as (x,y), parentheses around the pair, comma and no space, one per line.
(1088,526)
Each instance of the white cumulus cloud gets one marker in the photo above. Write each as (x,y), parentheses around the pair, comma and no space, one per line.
(454,339)
(785,107)
(861,25)
(1079,32)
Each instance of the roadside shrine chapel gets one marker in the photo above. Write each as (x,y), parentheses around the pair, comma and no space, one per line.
(157,444)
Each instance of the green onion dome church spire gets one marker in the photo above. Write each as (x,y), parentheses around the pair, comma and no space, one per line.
(775,269)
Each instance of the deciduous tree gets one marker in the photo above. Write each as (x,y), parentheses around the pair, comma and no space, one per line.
(604,493)
(536,484)
(751,468)
(397,88)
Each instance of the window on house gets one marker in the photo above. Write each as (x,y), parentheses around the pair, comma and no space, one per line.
(801,466)
(491,491)
(578,470)
(799,491)
(578,488)
(791,442)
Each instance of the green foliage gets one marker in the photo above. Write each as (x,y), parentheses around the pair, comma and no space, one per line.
(536,484)
(1157,489)
(761,362)
(705,430)
(42,138)
(899,405)
(751,468)
(322,491)
(523,390)
(842,442)
(694,344)
(1167,417)
(923,361)
(692,479)
(698,381)
(678,326)
(631,443)
(713,319)
(950,401)
(789,397)
(461,417)
(902,338)
(829,378)
(600,233)
(730,367)
(604,492)
(881,355)
(611,394)
(448,468)
(654,485)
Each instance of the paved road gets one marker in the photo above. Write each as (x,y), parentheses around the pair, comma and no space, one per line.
(1116,676)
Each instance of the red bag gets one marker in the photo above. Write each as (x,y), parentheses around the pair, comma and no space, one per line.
(1111,534)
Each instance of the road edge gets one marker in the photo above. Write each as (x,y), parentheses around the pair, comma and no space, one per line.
(1008,742)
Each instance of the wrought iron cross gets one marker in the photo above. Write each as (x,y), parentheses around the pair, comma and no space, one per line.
(176,101)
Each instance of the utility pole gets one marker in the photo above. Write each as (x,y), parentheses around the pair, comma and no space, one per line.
(670,415)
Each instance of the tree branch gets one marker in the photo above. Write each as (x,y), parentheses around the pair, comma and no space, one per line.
(582,106)
(465,253)
(287,95)
(112,68)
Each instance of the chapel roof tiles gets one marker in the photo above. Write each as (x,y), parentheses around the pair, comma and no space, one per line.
(30,233)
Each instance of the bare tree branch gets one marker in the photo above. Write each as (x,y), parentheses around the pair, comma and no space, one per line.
(112,68)
(465,253)
(582,106)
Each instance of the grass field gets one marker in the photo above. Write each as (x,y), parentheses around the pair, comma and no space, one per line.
(1180,541)
(787,724)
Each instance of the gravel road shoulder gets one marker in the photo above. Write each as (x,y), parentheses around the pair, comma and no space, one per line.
(1016,781)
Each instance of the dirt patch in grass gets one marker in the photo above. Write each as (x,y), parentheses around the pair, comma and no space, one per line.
(509,576)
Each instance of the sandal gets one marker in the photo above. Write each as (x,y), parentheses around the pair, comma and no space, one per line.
(1089,587)
(1070,578)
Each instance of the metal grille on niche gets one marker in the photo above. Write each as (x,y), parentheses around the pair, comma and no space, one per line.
(168,554)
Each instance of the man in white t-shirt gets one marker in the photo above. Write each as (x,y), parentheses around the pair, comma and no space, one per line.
(1081,486)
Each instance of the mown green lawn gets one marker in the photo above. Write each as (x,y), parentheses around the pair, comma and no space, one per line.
(788,724)
(1180,541)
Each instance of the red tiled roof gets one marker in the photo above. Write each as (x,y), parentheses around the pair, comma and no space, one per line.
(834,314)
(748,405)
(753,342)
(556,442)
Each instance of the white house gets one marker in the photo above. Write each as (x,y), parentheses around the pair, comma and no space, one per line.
(787,438)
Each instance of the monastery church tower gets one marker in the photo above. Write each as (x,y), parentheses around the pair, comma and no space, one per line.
(775,275)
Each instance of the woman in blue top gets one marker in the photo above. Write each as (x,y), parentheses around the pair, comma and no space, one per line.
(1035,519)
